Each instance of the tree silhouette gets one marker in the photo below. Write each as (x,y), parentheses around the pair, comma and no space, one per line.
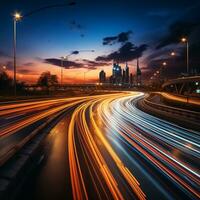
(47,80)
(5,82)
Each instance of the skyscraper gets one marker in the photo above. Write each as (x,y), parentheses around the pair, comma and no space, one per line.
(102,76)
(138,74)
(123,76)
(117,74)
(127,74)
(131,79)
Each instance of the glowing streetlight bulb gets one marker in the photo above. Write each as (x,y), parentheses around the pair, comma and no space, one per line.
(172,53)
(17,16)
(164,63)
(183,39)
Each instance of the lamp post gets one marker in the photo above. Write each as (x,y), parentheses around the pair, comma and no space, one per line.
(4,68)
(63,58)
(17,16)
(172,53)
(162,70)
(185,40)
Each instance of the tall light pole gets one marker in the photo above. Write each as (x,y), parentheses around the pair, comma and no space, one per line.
(17,17)
(164,64)
(185,40)
(85,75)
(75,53)
(63,58)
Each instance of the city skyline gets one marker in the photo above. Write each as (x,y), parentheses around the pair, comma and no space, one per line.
(44,36)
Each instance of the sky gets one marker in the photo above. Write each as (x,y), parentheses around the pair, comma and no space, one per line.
(119,30)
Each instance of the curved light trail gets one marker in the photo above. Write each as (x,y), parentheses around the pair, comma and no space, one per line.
(99,127)
(116,151)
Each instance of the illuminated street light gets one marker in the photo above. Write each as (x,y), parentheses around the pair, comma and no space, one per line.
(164,63)
(16,17)
(185,40)
(4,67)
(172,53)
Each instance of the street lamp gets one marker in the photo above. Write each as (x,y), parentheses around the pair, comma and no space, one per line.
(17,16)
(4,67)
(164,63)
(185,40)
(172,53)
(63,58)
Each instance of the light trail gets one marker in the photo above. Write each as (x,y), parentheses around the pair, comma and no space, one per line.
(154,139)
(116,151)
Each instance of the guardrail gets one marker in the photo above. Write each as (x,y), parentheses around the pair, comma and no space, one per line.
(182,117)
(188,113)
(181,99)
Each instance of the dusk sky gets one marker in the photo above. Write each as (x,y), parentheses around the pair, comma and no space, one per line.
(118,30)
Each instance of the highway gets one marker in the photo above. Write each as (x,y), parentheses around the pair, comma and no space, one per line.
(108,149)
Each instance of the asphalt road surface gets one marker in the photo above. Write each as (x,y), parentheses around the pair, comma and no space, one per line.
(105,148)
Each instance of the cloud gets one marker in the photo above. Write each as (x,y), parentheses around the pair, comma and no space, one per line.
(120,38)
(28,64)
(126,52)
(27,71)
(176,31)
(67,64)
(84,63)
(95,63)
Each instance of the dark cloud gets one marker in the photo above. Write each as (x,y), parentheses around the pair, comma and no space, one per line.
(126,52)
(28,64)
(67,64)
(27,71)
(187,25)
(176,31)
(163,53)
(120,38)
(86,64)
(95,63)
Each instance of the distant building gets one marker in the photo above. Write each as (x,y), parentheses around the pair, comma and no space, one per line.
(131,79)
(138,74)
(102,76)
(117,74)
(127,74)
(123,76)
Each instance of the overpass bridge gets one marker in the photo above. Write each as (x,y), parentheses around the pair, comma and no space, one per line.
(183,90)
